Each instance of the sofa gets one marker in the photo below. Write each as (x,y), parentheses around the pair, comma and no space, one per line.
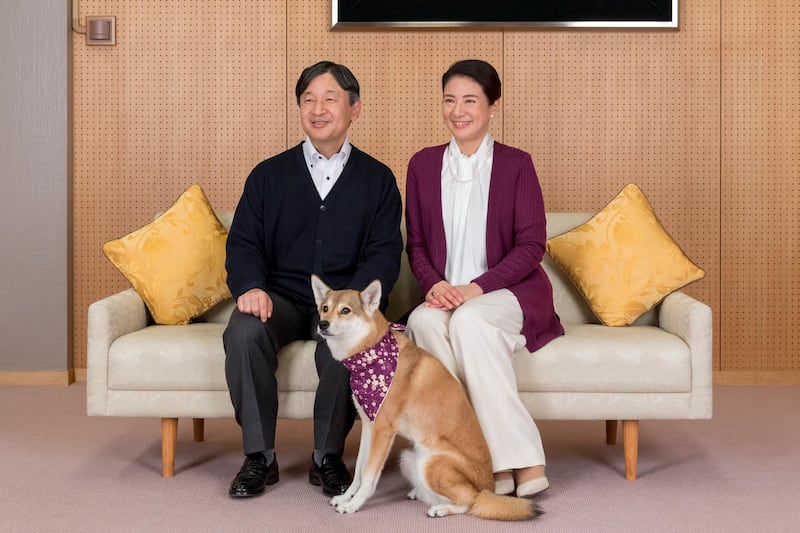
(660,367)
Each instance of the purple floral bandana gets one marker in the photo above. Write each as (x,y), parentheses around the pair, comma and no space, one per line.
(372,370)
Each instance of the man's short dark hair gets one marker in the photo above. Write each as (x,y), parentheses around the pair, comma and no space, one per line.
(341,74)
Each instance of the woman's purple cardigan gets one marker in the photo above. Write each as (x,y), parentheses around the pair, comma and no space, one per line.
(515,235)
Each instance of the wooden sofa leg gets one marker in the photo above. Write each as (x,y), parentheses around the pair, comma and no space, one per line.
(169,438)
(611,431)
(198,424)
(630,443)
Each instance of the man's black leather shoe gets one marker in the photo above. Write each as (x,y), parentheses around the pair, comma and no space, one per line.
(332,475)
(254,476)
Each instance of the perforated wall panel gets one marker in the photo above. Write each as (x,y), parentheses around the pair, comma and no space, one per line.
(193,93)
(704,119)
(599,110)
(760,305)
(399,73)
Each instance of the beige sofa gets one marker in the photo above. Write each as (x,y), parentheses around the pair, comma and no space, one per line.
(658,368)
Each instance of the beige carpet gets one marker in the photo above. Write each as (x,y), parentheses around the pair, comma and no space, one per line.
(63,471)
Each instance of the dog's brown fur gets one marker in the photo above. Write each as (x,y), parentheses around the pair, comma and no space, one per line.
(450,465)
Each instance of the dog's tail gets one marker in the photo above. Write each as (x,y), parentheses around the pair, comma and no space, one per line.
(489,505)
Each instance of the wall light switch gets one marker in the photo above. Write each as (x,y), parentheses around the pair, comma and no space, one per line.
(101,31)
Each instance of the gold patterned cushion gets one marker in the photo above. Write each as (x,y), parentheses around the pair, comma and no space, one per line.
(622,260)
(177,262)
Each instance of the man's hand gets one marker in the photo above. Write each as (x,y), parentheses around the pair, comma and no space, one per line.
(255,302)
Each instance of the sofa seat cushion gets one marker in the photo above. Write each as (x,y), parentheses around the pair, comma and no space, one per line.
(596,358)
(191,358)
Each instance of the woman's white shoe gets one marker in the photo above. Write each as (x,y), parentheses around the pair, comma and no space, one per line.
(504,487)
(531,487)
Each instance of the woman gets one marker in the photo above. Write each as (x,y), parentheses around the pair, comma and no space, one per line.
(476,236)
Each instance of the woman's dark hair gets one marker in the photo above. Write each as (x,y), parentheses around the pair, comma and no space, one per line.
(482,72)
(341,73)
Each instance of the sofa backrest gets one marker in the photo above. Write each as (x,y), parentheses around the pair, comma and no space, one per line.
(222,311)
(569,303)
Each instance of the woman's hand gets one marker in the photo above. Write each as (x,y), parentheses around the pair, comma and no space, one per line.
(448,297)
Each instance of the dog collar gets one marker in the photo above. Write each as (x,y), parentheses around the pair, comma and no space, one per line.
(372,371)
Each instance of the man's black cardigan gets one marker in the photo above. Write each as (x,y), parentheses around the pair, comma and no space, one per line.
(282,230)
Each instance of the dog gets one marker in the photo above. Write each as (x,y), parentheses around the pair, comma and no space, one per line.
(400,389)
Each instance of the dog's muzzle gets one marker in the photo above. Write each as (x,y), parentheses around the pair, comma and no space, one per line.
(322,327)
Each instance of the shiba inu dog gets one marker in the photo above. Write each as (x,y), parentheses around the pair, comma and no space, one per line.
(401,389)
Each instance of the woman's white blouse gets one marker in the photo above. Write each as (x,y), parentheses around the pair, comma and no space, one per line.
(465,203)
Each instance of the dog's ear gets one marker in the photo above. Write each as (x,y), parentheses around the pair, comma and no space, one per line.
(371,296)
(320,289)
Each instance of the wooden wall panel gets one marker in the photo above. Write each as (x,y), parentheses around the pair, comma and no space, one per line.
(193,92)
(599,110)
(703,119)
(760,185)
(399,73)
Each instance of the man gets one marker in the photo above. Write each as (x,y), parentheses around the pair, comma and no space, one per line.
(322,207)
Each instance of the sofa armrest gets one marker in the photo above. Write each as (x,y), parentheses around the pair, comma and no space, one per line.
(108,319)
(691,320)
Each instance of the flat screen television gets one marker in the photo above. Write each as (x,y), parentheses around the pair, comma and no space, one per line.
(404,14)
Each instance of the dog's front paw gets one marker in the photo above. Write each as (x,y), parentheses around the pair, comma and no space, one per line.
(341,498)
(351,506)
(348,507)
(412,494)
